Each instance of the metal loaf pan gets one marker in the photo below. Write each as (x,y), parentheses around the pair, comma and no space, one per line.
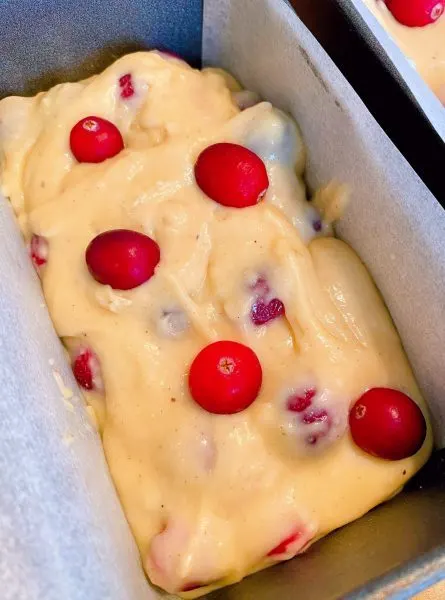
(62,532)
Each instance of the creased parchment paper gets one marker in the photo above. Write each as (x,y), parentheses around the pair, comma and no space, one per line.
(62,532)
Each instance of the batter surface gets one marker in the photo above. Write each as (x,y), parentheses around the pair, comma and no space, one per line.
(209,497)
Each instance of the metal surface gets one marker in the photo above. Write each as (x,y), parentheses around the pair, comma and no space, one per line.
(42,43)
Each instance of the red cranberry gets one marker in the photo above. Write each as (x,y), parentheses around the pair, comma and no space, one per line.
(39,250)
(262,313)
(122,258)
(387,423)
(225,377)
(126,86)
(93,140)
(416,13)
(283,546)
(231,175)
(315,416)
(86,370)
(300,402)
(194,585)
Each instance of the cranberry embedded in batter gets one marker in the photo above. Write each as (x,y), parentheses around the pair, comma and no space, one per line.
(126,86)
(231,175)
(122,258)
(93,140)
(86,370)
(283,546)
(416,13)
(315,416)
(301,401)
(39,250)
(225,377)
(262,312)
(388,424)
(194,585)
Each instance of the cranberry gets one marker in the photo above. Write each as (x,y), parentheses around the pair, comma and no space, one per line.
(315,416)
(317,225)
(416,13)
(126,86)
(86,370)
(122,258)
(93,140)
(194,585)
(225,377)
(231,175)
(262,313)
(300,402)
(388,424)
(283,546)
(39,250)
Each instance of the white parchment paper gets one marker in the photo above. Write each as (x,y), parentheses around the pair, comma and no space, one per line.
(395,60)
(63,535)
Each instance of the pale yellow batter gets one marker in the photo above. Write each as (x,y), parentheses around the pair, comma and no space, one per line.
(207,496)
(424,46)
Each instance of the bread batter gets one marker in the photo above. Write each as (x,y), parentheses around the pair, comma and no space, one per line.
(209,497)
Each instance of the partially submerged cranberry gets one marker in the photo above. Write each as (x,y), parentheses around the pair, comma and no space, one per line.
(264,308)
(298,402)
(262,312)
(39,251)
(317,224)
(225,377)
(194,585)
(387,424)
(126,86)
(86,369)
(283,546)
(93,140)
(231,175)
(315,416)
(416,13)
(122,258)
